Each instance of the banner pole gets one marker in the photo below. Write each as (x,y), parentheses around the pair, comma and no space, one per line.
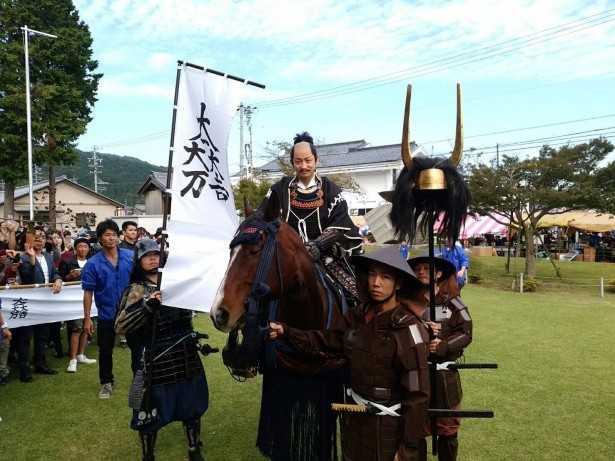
(166,196)
(432,316)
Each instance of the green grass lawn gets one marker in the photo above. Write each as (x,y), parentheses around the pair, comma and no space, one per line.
(574,275)
(552,395)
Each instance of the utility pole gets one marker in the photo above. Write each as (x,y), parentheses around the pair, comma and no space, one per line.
(249,110)
(241,164)
(497,155)
(95,164)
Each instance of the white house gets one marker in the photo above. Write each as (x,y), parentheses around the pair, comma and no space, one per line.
(76,205)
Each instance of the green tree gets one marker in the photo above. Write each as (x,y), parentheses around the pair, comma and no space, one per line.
(605,180)
(523,191)
(252,191)
(63,87)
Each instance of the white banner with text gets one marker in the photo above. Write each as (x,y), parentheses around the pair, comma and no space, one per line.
(203,217)
(32,306)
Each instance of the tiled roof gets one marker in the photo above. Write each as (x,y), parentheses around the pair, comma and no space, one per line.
(23,191)
(348,154)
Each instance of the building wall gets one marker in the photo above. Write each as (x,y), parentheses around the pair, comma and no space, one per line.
(67,197)
(153,202)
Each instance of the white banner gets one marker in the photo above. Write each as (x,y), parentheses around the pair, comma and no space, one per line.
(203,218)
(31,306)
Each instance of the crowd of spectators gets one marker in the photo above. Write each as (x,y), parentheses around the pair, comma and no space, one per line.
(44,255)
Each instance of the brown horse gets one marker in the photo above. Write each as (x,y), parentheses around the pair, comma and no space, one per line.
(295,421)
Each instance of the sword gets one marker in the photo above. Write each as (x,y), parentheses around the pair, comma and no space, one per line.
(445,413)
(466,366)
(432,412)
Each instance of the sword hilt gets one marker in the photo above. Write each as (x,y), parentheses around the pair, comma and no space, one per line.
(350,408)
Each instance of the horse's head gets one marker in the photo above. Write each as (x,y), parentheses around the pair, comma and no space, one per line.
(288,260)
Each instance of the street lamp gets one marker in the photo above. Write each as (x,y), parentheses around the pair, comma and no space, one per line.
(26,32)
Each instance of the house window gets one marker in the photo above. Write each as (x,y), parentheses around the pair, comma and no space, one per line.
(394,173)
(85,219)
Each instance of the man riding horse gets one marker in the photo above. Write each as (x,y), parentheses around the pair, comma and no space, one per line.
(315,208)
(292,252)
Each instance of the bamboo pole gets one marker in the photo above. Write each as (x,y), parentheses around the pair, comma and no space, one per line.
(38,285)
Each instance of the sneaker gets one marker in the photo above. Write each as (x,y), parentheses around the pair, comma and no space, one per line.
(81,358)
(72,366)
(105,391)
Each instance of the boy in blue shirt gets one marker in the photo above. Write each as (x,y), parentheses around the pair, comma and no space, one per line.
(104,278)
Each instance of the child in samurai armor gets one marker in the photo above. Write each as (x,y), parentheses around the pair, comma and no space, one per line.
(385,345)
(453,325)
(169,382)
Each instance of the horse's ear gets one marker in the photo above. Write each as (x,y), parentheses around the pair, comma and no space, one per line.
(247,208)
(272,212)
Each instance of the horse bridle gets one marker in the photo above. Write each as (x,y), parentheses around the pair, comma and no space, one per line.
(247,355)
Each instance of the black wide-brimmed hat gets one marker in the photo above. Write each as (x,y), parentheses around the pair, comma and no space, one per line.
(447,267)
(389,256)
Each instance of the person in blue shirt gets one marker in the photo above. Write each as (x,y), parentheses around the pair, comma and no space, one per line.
(458,257)
(104,278)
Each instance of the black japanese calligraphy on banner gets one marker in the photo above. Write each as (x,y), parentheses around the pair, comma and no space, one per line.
(202,161)
(19,309)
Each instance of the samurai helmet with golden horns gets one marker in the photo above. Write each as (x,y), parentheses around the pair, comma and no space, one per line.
(431,178)
(430,185)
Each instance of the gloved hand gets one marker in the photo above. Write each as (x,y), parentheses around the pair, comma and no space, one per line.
(313,250)
(153,301)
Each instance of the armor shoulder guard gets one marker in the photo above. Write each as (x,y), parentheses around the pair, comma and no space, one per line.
(402,318)
(458,307)
(457,304)
(135,294)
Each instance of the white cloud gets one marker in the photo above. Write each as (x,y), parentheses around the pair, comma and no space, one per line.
(327,42)
(160,61)
(119,87)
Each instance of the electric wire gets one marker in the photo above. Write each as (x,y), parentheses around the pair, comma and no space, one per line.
(470,56)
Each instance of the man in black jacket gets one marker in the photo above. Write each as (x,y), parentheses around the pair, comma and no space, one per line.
(37,268)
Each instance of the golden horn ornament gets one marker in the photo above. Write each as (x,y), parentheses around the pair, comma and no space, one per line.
(458,149)
(406,151)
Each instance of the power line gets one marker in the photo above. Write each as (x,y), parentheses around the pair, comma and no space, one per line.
(554,141)
(440,64)
(428,68)
(582,134)
(467,57)
(526,128)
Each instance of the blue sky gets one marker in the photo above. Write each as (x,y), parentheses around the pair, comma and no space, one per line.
(566,73)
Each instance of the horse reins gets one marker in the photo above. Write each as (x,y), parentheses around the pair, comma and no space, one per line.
(254,331)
